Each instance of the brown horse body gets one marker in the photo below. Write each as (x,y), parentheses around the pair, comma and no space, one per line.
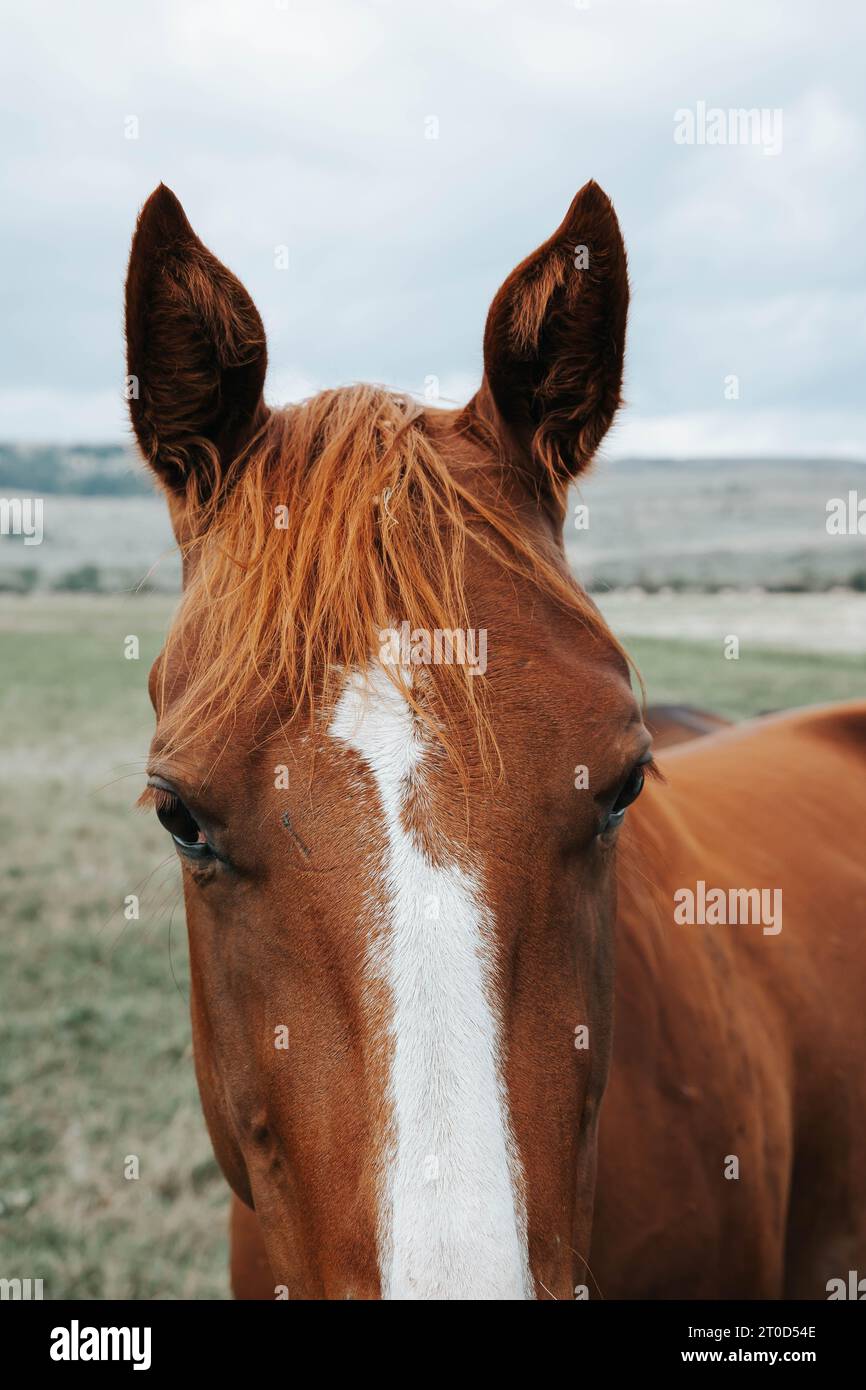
(672,724)
(732,1042)
(401,863)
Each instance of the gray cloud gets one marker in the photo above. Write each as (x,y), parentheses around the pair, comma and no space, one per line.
(304,125)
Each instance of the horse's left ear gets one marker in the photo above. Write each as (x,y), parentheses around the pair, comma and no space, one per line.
(196,354)
(555,339)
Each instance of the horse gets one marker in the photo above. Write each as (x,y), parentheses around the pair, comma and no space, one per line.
(421,885)
(670,724)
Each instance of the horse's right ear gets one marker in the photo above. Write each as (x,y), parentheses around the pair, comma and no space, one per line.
(554,345)
(196,354)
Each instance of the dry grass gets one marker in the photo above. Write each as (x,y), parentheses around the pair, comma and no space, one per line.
(97,1062)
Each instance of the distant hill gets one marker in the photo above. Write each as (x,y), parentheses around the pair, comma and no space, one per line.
(73,470)
(676,524)
(711,523)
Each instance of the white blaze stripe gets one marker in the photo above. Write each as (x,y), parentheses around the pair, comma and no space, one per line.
(452,1222)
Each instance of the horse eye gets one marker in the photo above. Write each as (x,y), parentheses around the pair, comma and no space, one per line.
(174,817)
(628,792)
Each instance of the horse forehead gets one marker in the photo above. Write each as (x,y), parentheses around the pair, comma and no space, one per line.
(374,717)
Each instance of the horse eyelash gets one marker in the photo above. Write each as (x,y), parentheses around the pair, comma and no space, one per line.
(157,799)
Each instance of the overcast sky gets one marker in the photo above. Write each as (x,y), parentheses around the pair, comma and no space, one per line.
(305,125)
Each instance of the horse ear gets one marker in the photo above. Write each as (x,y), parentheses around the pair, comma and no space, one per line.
(554,342)
(196,354)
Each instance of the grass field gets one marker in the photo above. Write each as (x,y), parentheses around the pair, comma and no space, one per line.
(96,1054)
(96,1058)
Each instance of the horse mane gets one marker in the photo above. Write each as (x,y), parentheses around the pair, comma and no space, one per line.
(342,517)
